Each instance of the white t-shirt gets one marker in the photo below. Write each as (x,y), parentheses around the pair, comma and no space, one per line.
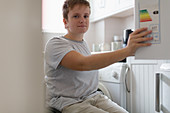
(65,86)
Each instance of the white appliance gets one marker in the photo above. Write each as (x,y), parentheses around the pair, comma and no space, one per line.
(114,83)
(153,14)
(162,89)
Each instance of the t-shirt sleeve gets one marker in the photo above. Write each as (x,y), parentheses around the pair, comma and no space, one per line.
(55,50)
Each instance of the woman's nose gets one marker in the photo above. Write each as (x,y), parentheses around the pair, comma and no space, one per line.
(82,19)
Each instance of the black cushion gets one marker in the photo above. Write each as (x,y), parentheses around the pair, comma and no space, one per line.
(52,110)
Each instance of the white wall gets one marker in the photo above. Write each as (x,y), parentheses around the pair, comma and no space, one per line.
(113,27)
(104,30)
(99,31)
(128,22)
(21,59)
(52,16)
(95,34)
(90,35)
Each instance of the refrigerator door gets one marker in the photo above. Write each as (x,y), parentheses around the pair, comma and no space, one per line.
(153,14)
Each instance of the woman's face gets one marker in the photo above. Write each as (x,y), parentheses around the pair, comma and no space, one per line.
(78,19)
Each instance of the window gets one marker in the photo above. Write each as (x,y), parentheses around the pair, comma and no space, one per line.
(52,19)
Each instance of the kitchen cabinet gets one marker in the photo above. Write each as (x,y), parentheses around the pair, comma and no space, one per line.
(108,8)
(142,87)
(125,4)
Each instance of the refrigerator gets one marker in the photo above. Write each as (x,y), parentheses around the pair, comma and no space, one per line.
(154,15)
(162,89)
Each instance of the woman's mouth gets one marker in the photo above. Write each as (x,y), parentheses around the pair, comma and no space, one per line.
(82,26)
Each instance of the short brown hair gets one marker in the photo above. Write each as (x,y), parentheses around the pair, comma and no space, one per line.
(69,4)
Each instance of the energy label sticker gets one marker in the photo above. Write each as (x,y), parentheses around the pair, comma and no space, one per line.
(149,17)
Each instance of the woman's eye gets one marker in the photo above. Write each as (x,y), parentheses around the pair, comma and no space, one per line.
(76,16)
(86,16)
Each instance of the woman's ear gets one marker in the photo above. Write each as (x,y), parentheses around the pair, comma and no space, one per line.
(65,23)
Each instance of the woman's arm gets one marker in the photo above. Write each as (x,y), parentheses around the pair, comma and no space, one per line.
(76,61)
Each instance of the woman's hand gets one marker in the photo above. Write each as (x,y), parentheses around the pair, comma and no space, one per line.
(137,39)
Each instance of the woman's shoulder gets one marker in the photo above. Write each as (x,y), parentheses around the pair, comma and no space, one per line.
(58,39)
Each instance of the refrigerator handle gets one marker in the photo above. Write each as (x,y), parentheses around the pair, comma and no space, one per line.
(157,92)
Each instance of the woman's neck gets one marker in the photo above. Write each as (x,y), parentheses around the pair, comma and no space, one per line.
(74,37)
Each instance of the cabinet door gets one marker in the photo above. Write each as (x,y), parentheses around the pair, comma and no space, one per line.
(103,8)
(108,8)
(160,29)
(123,4)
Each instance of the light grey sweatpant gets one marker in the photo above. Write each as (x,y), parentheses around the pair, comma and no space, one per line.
(96,104)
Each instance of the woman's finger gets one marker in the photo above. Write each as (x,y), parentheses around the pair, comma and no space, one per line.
(139,30)
(143,44)
(143,34)
(141,39)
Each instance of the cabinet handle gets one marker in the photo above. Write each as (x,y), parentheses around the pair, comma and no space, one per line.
(157,92)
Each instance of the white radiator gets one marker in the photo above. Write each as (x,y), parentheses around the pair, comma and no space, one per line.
(142,88)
